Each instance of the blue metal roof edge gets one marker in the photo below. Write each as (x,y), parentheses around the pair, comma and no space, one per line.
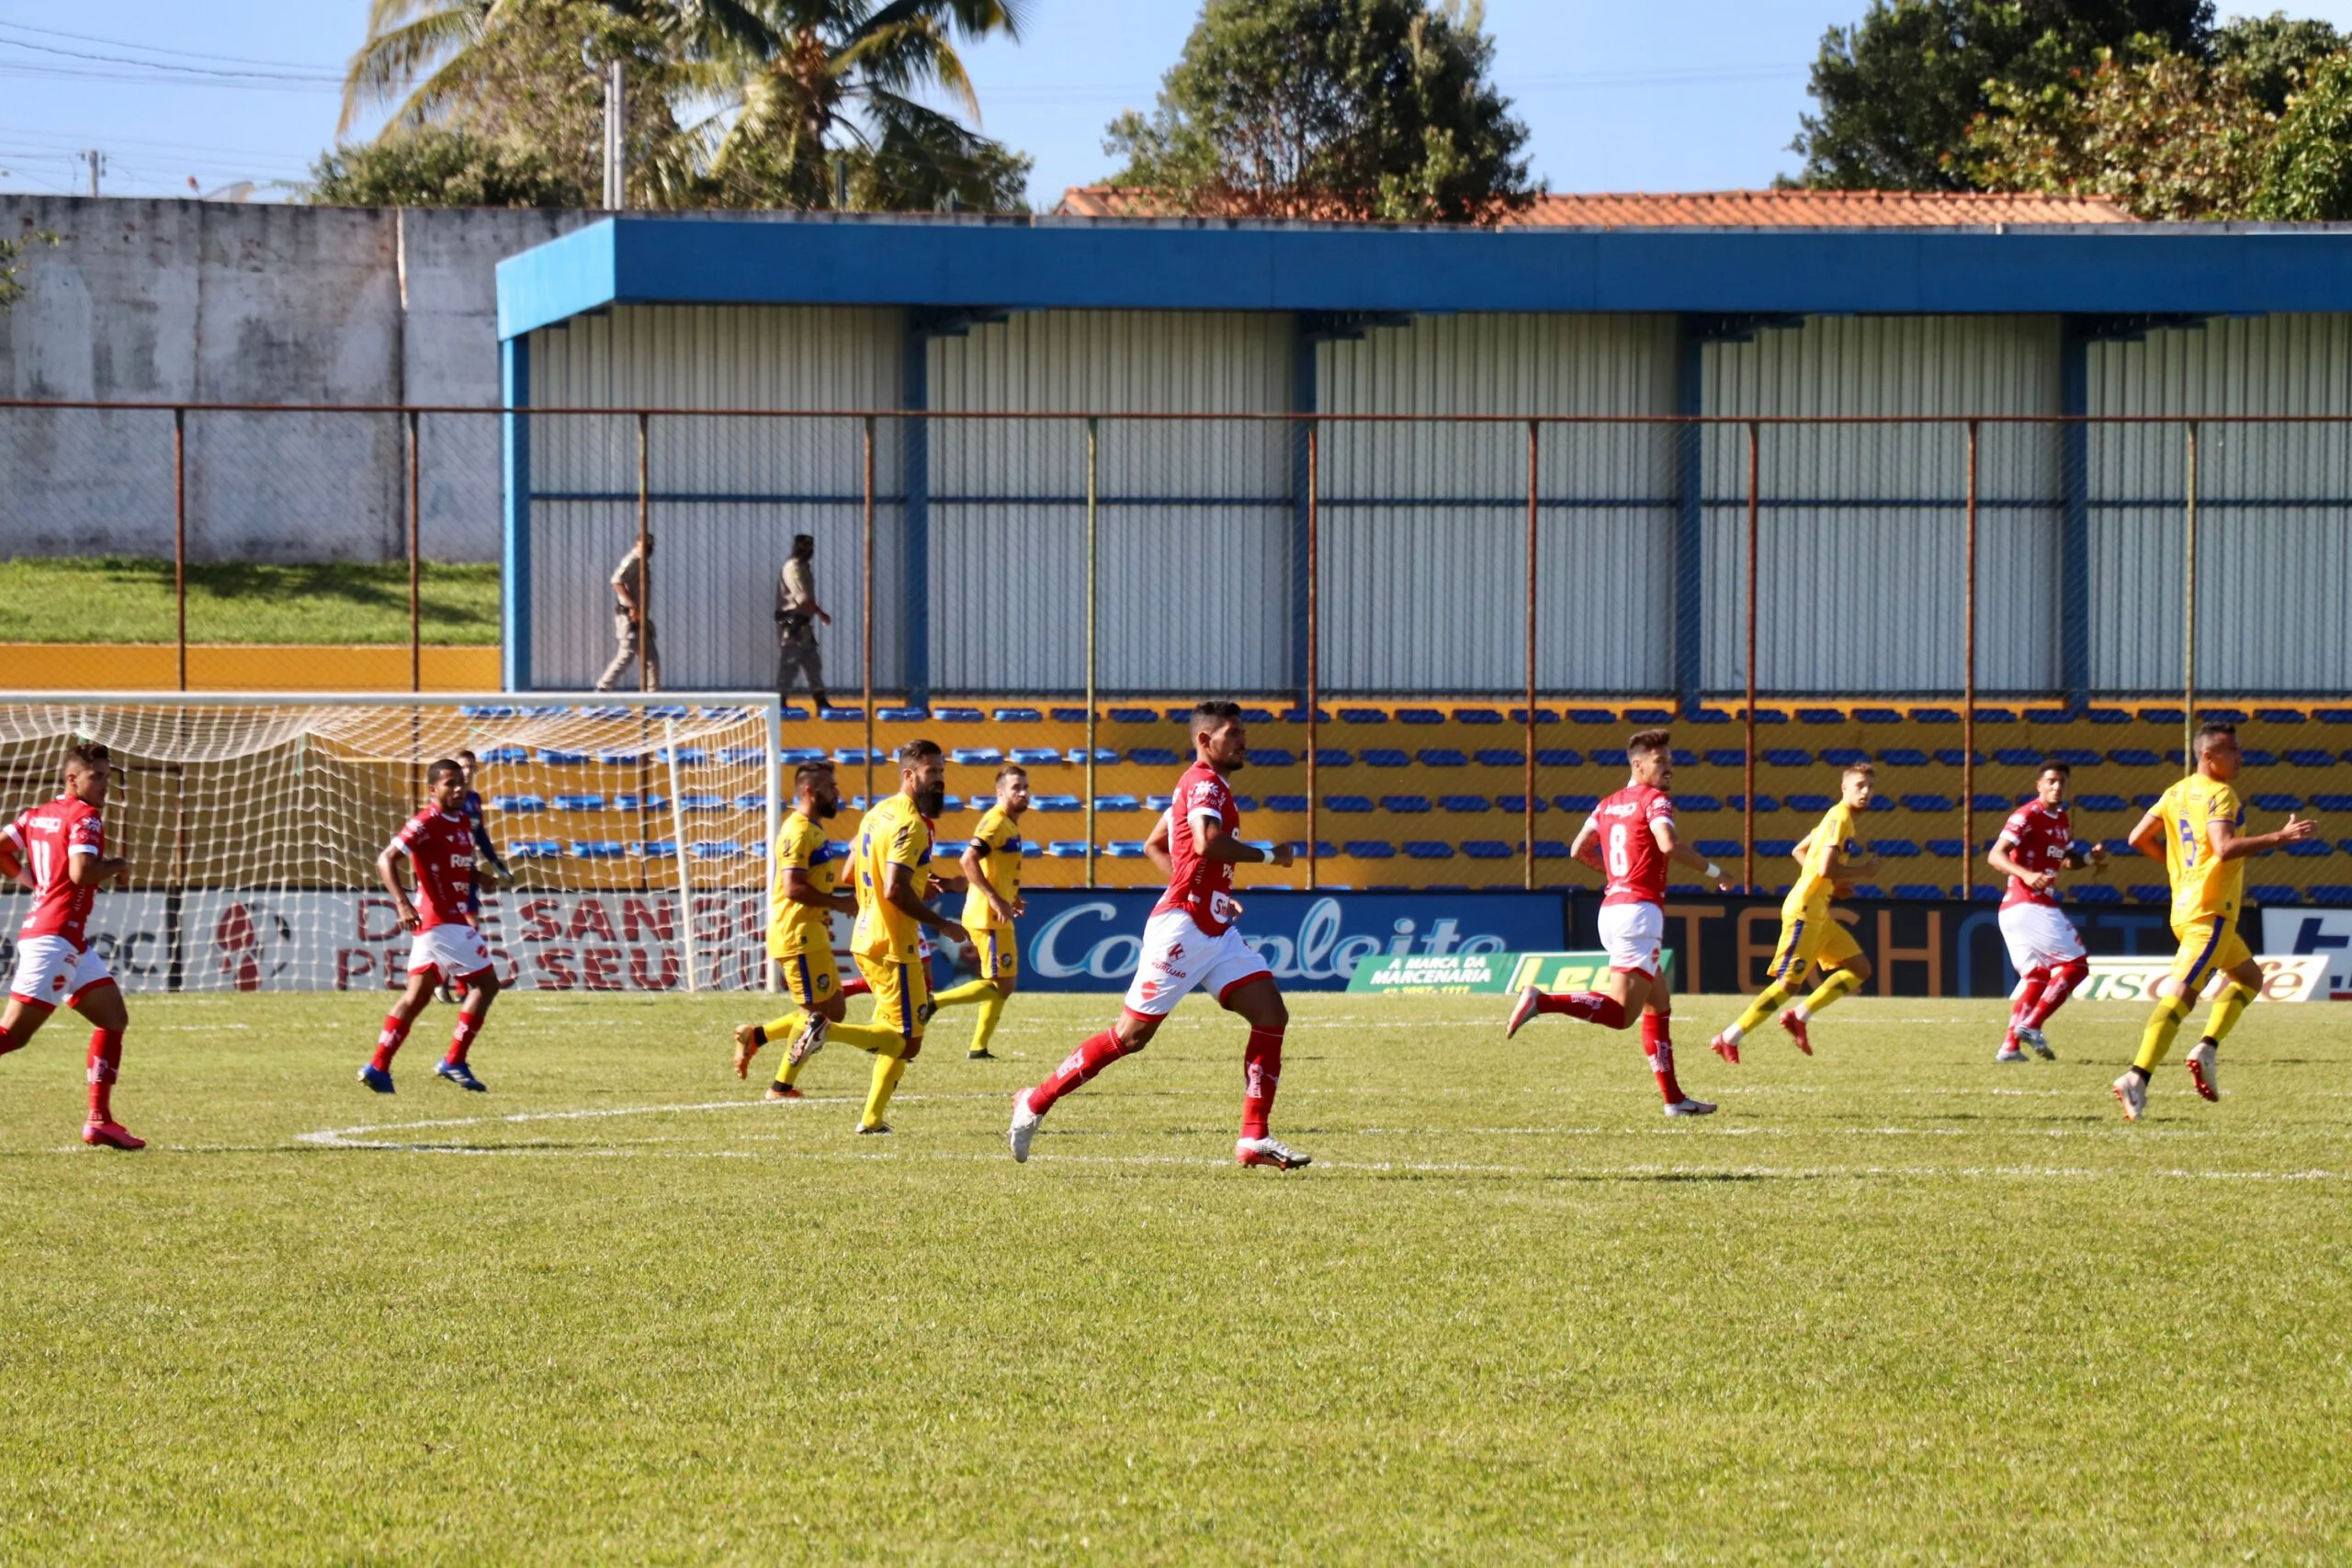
(2105,270)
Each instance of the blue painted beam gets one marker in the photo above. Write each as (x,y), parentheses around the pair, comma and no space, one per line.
(1038,264)
(514,604)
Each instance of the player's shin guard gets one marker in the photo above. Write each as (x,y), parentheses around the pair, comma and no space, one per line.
(984,1026)
(1586,1007)
(1080,1067)
(2031,987)
(388,1042)
(106,1066)
(969,992)
(868,1037)
(1841,983)
(462,1038)
(1658,1046)
(1768,1001)
(2228,1008)
(1261,1071)
(2157,1039)
(888,1071)
(2060,985)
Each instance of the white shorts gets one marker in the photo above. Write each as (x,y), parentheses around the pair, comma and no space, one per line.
(2039,936)
(1178,956)
(52,971)
(1633,936)
(456,951)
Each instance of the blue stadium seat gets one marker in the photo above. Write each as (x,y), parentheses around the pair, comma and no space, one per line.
(1776,849)
(1935,715)
(1551,849)
(1066,715)
(1557,757)
(699,802)
(552,758)
(1543,716)
(1286,803)
(1810,803)
(598,848)
(1272,757)
(2306,757)
(1346,805)
(1592,716)
(1441,757)
(2134,757)
(2108,716)
(2332,804)
(2273,801)
(503,755)
(1066,848)
(715,849)
(1429,849)
(1035,756)
(1844,756)
(1581,804)
(1488,849)
(590,802)
(1330,757)
(2095,893)
(1125,849)
(1419,715)
(2102,803)
(1689,802)
(1953,757)
(2310,849)
(1517,805)
(2049,715)
(1106,758)
(1464,804)
(1250,715)
(851,757)
(1877,715)
(1995,716)
(2278,716)
(792,715)
(2337,898)
(1895,849)
(1928,803)
(2170,717)
(1478,715)
(793,756)
(956,715)
(1788,757)
(631,801)
(1364,716)
(1017,716)
(1133,716)
(1370,849)
(654,848)
(688,756)
(1999,805)
(1245,804)
(1499,757)
(1764,803)
(744,756)
(2018,757)
(2272,893)
(1721,849)
(1405,804)
(750,800)
(1180,715)
(2223,715)
(1129,803)
(1921,890)
(1157,802)
(901,716)
(1649,715)
(1611,757)
(1684,759)
(1054,803)
(1726,757)
(1945,849)
(517,803)
(2074,757)
(2332,715)
(1298,715)
(1709,716)
(1820,716)
(1771,715)
(1386,757)
(487,710)
(975,756)
(2255,756)
(2149,893)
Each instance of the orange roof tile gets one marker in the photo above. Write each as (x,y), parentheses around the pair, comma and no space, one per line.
(1723,209)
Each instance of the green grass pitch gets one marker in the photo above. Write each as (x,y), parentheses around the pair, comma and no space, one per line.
(1893,1304)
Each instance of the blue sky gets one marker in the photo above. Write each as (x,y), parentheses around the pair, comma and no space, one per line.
(1680,94)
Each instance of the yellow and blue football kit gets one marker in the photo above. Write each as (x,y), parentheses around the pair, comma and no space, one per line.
(886,941)
(800,936)
(996,842)
(2206,891)
(1812,938)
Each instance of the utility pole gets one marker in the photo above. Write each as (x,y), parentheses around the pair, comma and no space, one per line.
(96,160)
(615,121)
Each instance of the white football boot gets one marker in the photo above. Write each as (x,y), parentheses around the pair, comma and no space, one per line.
(2032,1039)
(2132,1093)
(1521,1010)
(1024,1126)
(1268,1151)
(809,1040)
(2204,1071)
(1689,1108)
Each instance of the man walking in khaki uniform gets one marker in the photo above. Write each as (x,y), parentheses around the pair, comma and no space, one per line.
(796,615)
(632,626)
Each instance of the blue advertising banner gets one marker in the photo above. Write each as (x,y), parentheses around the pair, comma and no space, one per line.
(1313,942)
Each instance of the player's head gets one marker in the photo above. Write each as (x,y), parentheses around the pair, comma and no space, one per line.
(1219,737)
(804,546)
(468,762)
(445,784)
(89,768)
(1650,752)
(1856,785)
(2051,782)
(2216,749)
(1012,788)
(816,791)
(922,775)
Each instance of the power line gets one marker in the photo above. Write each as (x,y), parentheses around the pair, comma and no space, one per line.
(160,49)
(211,71)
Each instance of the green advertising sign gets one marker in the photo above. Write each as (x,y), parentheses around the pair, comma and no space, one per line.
(1483,973)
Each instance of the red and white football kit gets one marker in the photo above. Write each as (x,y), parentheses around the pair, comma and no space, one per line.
(1190,941)
(440,848)
(1632,919)
(55,962)
(2039,934)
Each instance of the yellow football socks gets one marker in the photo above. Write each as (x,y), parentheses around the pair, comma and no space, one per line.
(984,1026)
(1841,983)
(1767,1001)
(888,1071)
(2157,1039)
(2228,1008)
(969,991)
(985,995)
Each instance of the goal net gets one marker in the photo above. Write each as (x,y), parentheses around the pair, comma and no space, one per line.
(634,831)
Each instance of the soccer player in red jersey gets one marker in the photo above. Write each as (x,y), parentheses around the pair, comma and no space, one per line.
(59,850)
(440,844)
(1633,832)
(2035,844)
(1191,942)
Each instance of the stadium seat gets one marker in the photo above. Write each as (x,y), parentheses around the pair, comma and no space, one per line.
(1764,804)
(975,756)
(1820,716)
(2332,804)
(2134,757)
(655,849)
(1592,716)
(1877,715)
(2332,715)
(1684,759)
(1106,758)
(956,715)
(1117,803)
(1995,716)
(1157,802)
(1895,849)
(2151,893)
(1370,849)
(1125,849)
(1728,757)
(1551,849)
(1649,715)
(1286,803)
(1346,805)
(631,801)
(2306,757)
(1439,757)
(2255,756)
(1998,804)
(2273,801)
(1487,849)
(1362,716)
(2223,715)
(1055,802)
(853,757)
(1557,757)
(844,716)
(2102,803)
(1577,804)
(598,848)
(793,756)
(1928,803)
(1776,849)
(2107,716)
(2271,893)
(1405,804)
(1386,757)
(2311,849)
(505,755)
(2018,757)
(2169,717)
(1953,757)
(590,802)
(1610,757)
(2074,757)
(1419,715)
(1771,715)
(1133,716)
(1018,715)
(517,803)
(1252,715)
(1461,805)
(1499,757)
(1067,848)
(1035,756)
(1154,757)
(2049,715)
(1708,715)
(2337,898)
(1689,802)
(1942,848)
(1478,715)
(1272,757)
(1844,756)
(1810,803)
(1428,848)
(1066,715)
(552,758)
(1788,757)
(2095,893)
(1245,804)
(752,801)
(1921,890)
(901,716)
(1721,849)
(715,849)
(1334,756)
(1935,715)
(1517,805)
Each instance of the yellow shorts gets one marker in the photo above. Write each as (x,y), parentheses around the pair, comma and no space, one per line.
(811,979)
(901,996)
(2205,947)
(1000,952)
(1810,940)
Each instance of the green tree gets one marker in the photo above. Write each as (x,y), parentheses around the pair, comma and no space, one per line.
(11,287)
(2307,169)
(2274,53)
(438,167)
(1897,91)
(1330,108)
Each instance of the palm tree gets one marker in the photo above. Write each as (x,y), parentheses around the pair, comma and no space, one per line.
(416,52)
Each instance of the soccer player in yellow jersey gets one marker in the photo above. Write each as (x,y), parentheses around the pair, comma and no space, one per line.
(1812,941)
(993,902)
(890,862)
(806,896)
(2193,828)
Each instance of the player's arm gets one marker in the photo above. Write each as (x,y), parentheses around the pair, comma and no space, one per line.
(1155,847)
(1211,841)
(2000,859)
(2228,843)
(800,888)
(388,872)
(2148,837)
(1586,846)
(900,890)
(623,587)
(1804,848)
(1670,843)
(1839,869)
(489,852)
(85,867)
(976,874)
(17,858)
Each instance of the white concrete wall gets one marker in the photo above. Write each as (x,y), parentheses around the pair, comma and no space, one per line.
(166,301)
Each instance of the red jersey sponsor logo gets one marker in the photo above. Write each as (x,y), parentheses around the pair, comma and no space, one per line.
(51,836)
(2038,838)
(1200,888)
(1630,857)
(440,848)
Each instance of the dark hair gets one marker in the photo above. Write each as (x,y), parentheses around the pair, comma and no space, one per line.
(808,772)
(803,542)
(87,754)
(1212,712)
(445,768)
(468,757)
(2063,770)
(916,751)
(1011,769)
(2209,731)
(1650,740)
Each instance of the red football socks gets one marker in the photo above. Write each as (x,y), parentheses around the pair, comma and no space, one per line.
(106,1064)
(388,1044)
(1589,1007)
(2060,985)
(1658,1046)
(2029,997)
(1081,1065)
(1261,1070)
(469,1025)
(857,986)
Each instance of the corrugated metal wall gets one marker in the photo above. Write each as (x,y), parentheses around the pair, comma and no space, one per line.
(729,494)
(2274,525)
(1424,527)
(1860,557)
(1194,569)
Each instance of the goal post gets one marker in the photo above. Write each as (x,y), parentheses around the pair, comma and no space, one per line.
(635,828)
